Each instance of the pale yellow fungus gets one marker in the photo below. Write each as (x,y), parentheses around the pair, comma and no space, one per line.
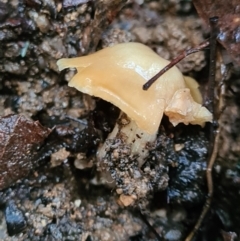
(117,74)
(183,109)
(193,85)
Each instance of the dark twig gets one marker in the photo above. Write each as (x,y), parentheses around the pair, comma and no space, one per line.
(215,129)
(175,61)
(220,109)
(212,68)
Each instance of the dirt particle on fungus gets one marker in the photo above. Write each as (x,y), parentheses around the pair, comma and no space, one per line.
(138,136)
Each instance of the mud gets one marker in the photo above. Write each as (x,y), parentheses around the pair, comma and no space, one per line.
(57,201)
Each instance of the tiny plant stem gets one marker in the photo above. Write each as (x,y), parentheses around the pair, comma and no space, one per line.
(212,69)
(212,107)
(214,130)
(221,107)
(212,159)
(181,56)
(210,186)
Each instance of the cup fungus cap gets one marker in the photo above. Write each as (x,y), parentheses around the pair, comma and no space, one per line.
(116,74)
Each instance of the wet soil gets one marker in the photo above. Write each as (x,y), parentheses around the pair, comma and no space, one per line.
(51,184)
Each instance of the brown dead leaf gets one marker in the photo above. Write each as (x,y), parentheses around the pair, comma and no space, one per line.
(19,140)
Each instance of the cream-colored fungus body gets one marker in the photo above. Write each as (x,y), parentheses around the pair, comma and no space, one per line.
(193,85)
(116,74)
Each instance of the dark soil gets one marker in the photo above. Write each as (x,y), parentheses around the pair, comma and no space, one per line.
(51,183)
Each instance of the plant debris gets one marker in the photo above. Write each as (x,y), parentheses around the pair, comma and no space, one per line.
(20,140)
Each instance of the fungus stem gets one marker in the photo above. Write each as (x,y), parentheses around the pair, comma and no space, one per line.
(128,133)
(181,56)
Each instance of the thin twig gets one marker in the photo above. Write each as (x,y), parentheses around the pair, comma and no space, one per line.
(210,186)
(175,61)
(215,133)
